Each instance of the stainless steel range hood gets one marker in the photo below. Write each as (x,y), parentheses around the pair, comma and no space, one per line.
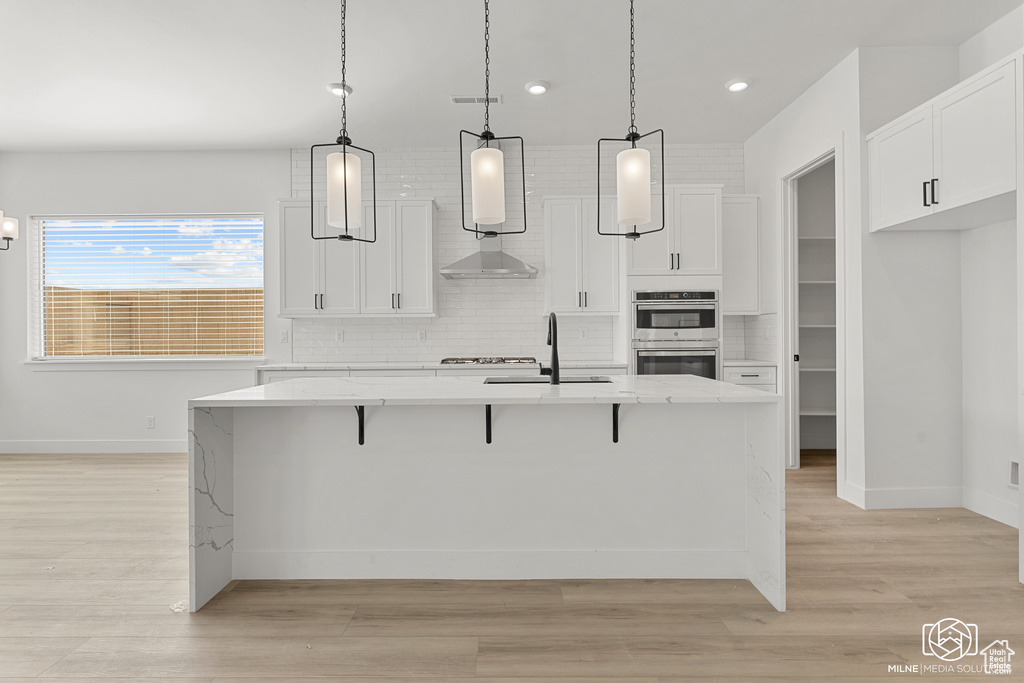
(489,263)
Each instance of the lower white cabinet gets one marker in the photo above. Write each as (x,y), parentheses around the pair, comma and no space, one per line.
(582,273)
(393,276)
(761,377)
(740,255)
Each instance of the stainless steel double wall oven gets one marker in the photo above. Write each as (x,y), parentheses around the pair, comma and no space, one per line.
(676,333)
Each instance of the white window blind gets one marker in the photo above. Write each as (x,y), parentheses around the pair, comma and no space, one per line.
(146,286)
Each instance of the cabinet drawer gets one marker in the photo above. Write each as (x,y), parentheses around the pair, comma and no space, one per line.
(748,374)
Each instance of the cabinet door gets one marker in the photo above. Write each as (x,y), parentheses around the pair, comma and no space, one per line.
(415,257)
(600,259)
(299,267)
(654,253)
(698,222)
(339,267)
(976,140)
(562,231)
(740,272)
(899,163)
(377,263)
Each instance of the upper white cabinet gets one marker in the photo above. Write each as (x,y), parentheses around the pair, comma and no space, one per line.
(582,266)
(740,269)
(318,277)
(950,163)
(331,278)
(398,269)
(691,243)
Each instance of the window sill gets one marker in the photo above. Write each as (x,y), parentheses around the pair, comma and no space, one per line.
(143,364)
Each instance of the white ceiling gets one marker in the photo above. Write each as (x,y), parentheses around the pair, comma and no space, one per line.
(228,74)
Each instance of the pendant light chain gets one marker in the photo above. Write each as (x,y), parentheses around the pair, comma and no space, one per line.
(487,66)
(632,71)
(344,98)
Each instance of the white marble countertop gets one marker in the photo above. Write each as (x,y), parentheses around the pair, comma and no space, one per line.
(748,361)
(351,391)
(434,366)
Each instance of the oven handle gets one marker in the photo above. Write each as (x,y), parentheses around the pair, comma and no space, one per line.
(680,352)
(677,304)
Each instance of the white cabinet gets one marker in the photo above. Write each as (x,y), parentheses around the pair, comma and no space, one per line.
(691,243)
(331,278)
(582,266)
(740,252)
(398,269)
(318,277)
(761,377)
(957,150)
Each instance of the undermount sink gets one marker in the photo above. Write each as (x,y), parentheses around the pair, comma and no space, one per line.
(592,379)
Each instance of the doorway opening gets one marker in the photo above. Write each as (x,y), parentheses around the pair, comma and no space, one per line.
(813,281)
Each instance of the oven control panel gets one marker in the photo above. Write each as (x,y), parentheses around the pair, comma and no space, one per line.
(675,296)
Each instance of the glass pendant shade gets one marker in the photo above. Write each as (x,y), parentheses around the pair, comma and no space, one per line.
(633,186)
(9,228)
(487,169)
(344,183)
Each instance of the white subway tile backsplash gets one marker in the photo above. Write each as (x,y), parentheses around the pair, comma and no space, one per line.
(494,317)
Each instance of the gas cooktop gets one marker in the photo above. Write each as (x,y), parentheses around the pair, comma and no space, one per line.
(495,360)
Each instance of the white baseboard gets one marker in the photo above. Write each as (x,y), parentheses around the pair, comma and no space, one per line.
(932,497)
(854,493)
(991,507)
(525,564)
(96,446)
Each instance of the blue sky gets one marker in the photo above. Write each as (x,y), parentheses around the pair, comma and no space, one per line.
(159,253)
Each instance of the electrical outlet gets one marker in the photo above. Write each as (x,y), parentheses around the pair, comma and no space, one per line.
(421,335)
(339,335)
(583,333)
(282,336)
(151,422)
(1014,475)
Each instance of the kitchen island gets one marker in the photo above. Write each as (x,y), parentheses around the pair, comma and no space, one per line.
(451,478)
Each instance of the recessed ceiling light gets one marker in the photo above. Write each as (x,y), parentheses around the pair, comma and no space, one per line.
(738,84)
(338,90)
(537,87)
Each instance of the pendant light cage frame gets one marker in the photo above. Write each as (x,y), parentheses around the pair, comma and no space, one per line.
(7,244)
(345,143)
(632,137)
(486,138)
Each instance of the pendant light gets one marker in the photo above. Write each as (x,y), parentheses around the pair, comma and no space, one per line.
(344,173)
(487,162)
(632,166)
(8,230)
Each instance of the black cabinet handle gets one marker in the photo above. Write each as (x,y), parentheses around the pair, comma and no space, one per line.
(315,298)
(924,190)
(935,199)
(392,299)
(584,299)
(321,302)
(399,299)
(579,299)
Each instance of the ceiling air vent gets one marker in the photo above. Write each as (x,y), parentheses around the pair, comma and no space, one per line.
(459,99)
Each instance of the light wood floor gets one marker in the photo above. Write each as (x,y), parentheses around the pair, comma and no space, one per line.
(93,584)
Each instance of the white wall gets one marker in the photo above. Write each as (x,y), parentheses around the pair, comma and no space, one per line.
(911,295)
(104,411)
(826,117)
(989,304)
(998,40)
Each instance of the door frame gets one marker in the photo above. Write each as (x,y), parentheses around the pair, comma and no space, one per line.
(790,310)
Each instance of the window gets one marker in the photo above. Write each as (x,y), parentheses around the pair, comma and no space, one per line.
(147,287)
